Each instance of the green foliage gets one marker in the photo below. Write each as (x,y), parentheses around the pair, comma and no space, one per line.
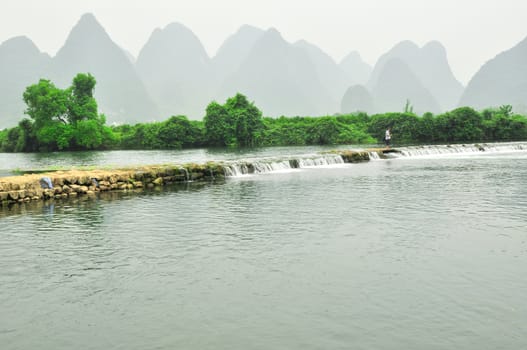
(462,124)
(175,133)
(82,104)
(404,126)
(68,120)
(219,125)
(344,129)
(3,137)
(61,119)
(506,110)
(88,134)
(236,123)
(46,103)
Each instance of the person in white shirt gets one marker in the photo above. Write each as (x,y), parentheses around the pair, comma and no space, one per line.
(388,137)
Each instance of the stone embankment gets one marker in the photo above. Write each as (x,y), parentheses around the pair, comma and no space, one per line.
(73,183)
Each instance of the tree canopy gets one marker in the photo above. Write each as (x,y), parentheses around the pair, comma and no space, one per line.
(68,119)
(63,119)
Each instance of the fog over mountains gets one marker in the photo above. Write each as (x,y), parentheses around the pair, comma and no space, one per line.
(174,75)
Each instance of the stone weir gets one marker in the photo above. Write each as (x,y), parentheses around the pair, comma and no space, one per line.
(42,185)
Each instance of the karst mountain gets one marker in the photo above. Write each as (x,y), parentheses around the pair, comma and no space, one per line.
(174,75)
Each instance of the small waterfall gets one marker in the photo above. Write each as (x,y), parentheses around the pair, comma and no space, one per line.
(320,161)
(374,155)
(464,149)
(187,177)
(264,166)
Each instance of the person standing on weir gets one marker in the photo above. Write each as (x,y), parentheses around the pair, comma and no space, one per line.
(388,137)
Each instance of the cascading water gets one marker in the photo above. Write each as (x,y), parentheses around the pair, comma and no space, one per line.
(374,155)
(464,149)
(263,166)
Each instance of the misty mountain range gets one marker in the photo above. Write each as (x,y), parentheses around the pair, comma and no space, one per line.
(173,75)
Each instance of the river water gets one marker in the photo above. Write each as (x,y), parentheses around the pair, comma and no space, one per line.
(425,251)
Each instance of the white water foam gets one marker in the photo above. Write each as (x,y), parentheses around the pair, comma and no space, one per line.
(265,166)
(458,150)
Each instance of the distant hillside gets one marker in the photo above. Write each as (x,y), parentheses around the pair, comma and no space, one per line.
(234,51)
(396,84)
(173,75)
(357,99)
(280,78)
(358,70)
(333,78)
(429,65)
(177,71)
(502,80)
(120,92)
(21,64)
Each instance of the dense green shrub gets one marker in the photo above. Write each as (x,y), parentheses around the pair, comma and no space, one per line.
(68,120)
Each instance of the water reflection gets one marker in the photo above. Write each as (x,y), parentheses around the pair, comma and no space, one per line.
(366,256)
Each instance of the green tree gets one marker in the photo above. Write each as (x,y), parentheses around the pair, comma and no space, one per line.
(219,126)
(178,132)
(64,119)
(461,124)
(46,103)
(247,118)
(506,110)
(236,123)
(82,105)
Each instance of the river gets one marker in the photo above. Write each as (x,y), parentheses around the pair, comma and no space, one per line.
(424,251)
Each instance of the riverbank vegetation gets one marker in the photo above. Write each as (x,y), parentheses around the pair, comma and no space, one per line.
(69,120)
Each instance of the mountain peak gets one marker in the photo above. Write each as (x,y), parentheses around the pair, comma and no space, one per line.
(248,28)
(88,22)
(175,39)
(175,27)
(404,46)
(87,29)
(356,68)
(273,33)
(435,47)
(20,44)
(500,81)
(352,57)
(88,17)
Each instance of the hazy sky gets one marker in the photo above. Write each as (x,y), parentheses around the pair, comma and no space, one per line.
(473,31)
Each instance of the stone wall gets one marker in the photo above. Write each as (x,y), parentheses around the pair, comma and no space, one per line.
(73,183)
(88,182)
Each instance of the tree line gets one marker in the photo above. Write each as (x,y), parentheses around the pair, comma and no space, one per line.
(68,119)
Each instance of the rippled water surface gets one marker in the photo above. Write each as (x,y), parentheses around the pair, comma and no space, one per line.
(426,253)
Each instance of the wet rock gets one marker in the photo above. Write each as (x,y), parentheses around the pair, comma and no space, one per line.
(196,176)
(13,195)
(158,181)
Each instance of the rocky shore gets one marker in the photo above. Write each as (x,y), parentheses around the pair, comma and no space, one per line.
(73,183)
